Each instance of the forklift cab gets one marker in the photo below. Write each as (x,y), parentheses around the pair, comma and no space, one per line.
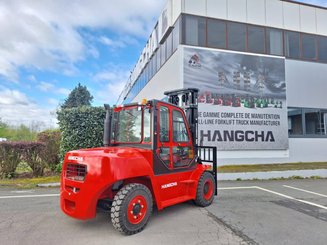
(156,125)
(173,141)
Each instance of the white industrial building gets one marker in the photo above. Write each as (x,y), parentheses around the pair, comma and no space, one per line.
(261,67)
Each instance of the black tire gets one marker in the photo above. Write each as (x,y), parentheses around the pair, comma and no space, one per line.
(206,190)
(131,208)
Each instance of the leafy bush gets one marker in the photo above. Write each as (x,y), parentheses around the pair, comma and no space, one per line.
(81,127)
(34,154)
(10,156)
(51,139)
(12,153)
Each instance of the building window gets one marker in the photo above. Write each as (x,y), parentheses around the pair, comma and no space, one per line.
(307,122)
(176,35)
(194,30)
(169,45)
(309,47)
(145,71)
(274,41)
(163,53)
(236,36)
(322,52)
(292,44)
(216,34)
(256,39)
(142,80)
(312,121)
(295,121)
(150,64)
(158,58)
(154,58)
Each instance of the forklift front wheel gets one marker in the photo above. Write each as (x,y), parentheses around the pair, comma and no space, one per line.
(131,208)
(206,190)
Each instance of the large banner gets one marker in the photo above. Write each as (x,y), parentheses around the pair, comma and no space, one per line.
(242,99)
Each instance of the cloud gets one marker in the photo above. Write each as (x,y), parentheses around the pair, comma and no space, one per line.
(63,91)
(112,81)
(49,87)
(45,87)
(16,108)
(46,34)
(120,42)
(109,42)
(52,101)
(12,97)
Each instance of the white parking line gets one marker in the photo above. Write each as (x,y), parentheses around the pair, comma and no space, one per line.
(237,187)
(274,192)
(292,198)
(24,196)
(311,192)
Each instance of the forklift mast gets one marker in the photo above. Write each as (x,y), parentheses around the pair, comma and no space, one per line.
(187,99)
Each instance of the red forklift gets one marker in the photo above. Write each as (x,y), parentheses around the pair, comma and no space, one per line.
(150,157)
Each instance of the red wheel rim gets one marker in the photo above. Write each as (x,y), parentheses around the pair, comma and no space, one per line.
(208,189)
(136,210)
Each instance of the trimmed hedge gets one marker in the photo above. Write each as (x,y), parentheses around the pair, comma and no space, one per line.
(12,153)
(34,153)
(10,157)
(81,127)
(51,139)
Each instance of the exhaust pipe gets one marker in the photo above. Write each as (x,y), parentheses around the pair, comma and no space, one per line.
(107,126)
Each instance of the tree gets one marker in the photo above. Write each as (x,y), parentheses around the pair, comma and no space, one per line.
(80,96)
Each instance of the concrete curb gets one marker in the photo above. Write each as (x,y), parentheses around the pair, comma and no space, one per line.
(56,184)
(322,173)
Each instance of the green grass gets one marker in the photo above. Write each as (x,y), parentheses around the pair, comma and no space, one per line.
(27,183)
(272,167)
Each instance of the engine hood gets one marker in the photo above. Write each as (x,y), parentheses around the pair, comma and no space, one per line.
(113,162)
(119,151)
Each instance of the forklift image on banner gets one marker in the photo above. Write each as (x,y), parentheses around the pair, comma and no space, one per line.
(150,157)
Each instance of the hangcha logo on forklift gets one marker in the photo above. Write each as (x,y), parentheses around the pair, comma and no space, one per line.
(165,186)
(75,158)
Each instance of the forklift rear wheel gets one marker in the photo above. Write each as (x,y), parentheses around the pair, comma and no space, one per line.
(131,208)
(206,190)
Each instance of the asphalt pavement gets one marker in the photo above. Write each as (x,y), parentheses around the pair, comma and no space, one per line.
(245,212)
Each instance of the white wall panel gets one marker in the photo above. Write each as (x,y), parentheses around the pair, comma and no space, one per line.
(217,9)
(195,7)
(308,150)
(308,19)
(236,10)
(321,21)
(176,9)
(256,12)
(291,13)
(306,84)
(274,13)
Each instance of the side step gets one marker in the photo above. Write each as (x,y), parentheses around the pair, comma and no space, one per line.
(188,182)
(176,200)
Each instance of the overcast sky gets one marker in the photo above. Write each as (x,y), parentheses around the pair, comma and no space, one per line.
(48,46)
